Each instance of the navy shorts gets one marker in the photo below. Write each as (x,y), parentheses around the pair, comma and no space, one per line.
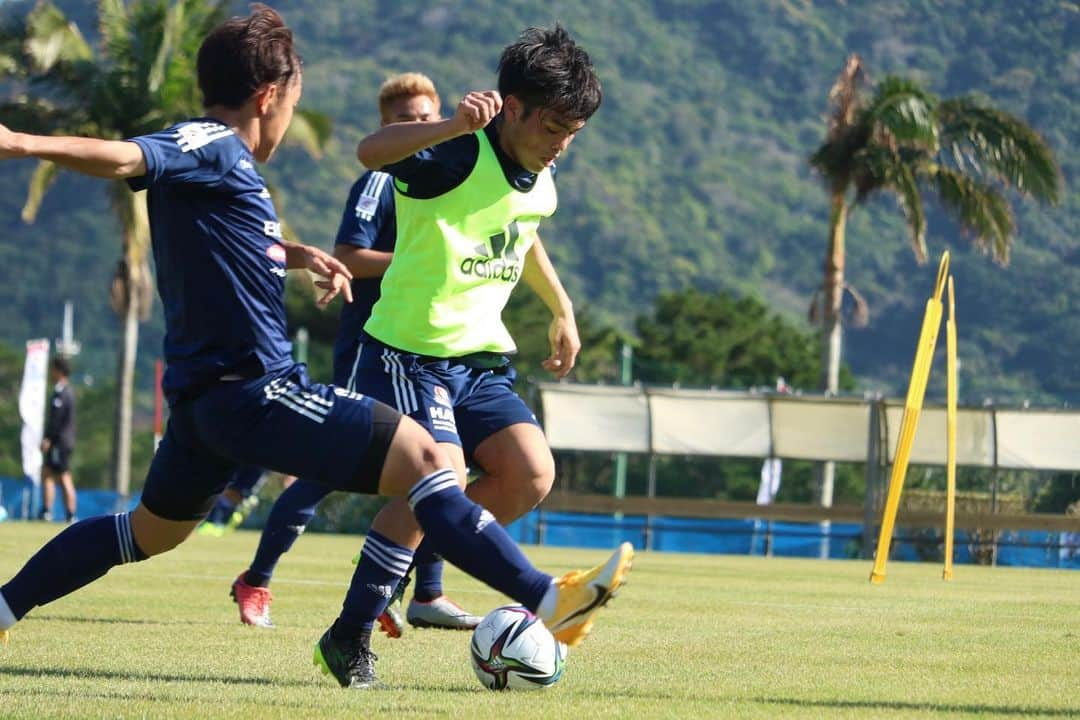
(281,421)
(58,459)
(455,402)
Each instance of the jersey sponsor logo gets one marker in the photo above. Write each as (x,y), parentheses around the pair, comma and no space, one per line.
(442,418)
(245,164)
(442,396)
(501,262)
(272,228)
(276,253)
(193,136)
(264,194)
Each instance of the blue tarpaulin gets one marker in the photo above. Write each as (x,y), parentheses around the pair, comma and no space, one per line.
(1030,548)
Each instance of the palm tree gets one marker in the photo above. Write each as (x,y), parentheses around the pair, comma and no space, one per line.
(139,79)
(905,141)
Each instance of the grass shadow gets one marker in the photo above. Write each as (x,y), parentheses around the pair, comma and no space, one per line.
(975,709)
(93,674)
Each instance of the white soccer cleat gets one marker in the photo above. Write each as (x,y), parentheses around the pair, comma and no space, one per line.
(442,612)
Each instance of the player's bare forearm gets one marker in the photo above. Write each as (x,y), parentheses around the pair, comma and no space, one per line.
(363,262)
(109,159)
(397,141)
(539,274)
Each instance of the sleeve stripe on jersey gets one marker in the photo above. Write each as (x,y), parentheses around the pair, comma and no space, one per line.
(193,136)
(365,207)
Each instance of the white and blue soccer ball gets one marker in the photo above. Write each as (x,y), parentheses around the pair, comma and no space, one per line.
(511,649)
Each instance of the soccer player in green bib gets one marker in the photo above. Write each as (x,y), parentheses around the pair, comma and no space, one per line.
(470,193)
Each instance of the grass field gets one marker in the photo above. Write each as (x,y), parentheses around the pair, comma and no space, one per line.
(693,636)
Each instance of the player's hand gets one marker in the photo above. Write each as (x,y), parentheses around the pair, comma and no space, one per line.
(477,109)
(565,346)
(336,277)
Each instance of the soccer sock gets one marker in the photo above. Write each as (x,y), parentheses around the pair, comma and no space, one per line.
(382,564)
(468,536)
(79,555)
(289,517)
(219,514)
(429,572)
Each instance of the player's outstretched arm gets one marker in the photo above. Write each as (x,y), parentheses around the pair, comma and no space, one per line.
(110,159)
(539,274)
(335,275)
(397,141)
(363,262)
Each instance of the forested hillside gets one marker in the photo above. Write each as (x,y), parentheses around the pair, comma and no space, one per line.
(693,173)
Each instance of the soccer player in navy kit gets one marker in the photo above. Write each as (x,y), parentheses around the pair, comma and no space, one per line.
(365,244)
(236,396)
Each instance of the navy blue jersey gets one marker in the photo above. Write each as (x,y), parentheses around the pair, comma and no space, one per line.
(368,222)
(220,267)
(438,170)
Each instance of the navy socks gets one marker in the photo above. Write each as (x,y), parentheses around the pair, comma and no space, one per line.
(382,565)
(289,517)
(76,557)
(468,536)
(429,573)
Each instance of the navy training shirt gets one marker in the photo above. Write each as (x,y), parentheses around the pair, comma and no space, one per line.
(438,170)
(368,222)
(220,267)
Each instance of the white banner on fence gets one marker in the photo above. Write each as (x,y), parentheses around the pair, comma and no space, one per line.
(688,422)
(32,406)
(1038,439)
(820,429)
(587,417)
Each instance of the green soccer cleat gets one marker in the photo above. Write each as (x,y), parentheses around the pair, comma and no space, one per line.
(351,663)
(210,529)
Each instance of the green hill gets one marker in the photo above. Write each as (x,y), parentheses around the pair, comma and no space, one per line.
(693,172)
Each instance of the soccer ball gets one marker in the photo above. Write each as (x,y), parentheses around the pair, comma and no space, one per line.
(511,649)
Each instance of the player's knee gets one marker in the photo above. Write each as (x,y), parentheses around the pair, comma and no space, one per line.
(155,535)
(413,455)
(531,481)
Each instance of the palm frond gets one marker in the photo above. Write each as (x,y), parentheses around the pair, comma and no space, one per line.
(51,38)
(905,110)
(172,31)
(981,210)
(115,28)
(844,99)
(309,130)
(994,143)
(904,184)
(44,175)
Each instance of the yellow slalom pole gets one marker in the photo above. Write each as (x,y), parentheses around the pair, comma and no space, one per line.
(950,432)
(920,373)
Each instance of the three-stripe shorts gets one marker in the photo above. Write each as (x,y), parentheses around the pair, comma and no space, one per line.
(281,421)
(455,402)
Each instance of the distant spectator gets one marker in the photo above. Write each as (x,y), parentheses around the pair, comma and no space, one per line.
(59,441)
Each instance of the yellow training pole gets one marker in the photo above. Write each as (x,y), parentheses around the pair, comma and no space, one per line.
(920,373)
(950,432)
